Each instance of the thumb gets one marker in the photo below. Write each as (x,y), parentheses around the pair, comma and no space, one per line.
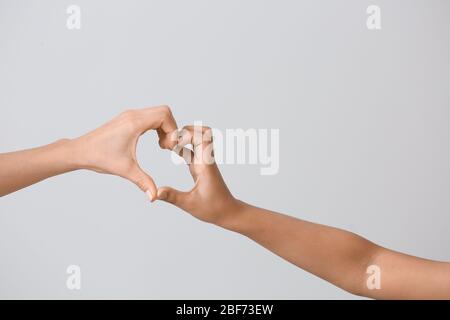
(144,182)
(173,196)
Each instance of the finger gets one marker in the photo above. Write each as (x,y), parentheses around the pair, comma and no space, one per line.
(166,126)
(167,140)
(195,135)
(200,137)
(185,153)
(144,182)
(173,196)
(188,156)
(160,119)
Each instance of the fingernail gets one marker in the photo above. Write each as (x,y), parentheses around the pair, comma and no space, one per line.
(149,194)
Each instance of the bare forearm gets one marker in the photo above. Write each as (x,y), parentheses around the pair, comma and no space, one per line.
(23,168)
(341,257)
(338,256)
(109,149)
(335,255)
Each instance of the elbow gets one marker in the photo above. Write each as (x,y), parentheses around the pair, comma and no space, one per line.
(366,279)
(362,273)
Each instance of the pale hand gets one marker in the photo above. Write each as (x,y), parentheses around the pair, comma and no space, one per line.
(111,148)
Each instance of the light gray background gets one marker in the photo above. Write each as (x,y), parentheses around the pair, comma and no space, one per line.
(363,118)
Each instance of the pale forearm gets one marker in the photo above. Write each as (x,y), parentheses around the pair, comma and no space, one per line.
(109,149)
(23,168)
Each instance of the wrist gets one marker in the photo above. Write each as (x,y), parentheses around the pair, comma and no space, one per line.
(60,153)
(234,218)
(73,154)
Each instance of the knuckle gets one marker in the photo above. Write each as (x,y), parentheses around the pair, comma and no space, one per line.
(207,131)
(165,109)
(129,113)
